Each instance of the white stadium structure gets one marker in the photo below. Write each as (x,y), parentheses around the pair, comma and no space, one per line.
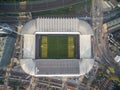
(54,67)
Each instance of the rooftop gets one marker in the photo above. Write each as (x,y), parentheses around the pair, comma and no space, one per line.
(46,24)
(2,43)
(6,48)
(57,67)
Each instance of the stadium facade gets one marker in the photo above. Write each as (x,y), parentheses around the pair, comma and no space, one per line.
(52,31)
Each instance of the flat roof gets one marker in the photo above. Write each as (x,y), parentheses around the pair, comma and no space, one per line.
(85,46)
(52,67)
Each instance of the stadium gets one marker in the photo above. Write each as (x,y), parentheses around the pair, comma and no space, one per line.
(56,47)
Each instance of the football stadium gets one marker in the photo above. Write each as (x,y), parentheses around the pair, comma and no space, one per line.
(57,47)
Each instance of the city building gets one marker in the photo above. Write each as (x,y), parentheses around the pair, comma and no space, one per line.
(7,41)
(70,88)
(117,58)
(106,6)
(113,25)
(56,47)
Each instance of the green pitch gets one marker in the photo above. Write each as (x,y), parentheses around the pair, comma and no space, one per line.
(57,46)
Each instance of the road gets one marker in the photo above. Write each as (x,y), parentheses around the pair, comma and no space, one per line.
(97,20)
(96,24)
(36,6)
(100,42)
(107,17)
(48,82)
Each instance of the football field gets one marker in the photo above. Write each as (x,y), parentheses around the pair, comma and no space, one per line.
(57,46)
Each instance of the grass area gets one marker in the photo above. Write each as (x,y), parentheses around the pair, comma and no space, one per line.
(111,69)
(57,47)
(44,46)
(71,47)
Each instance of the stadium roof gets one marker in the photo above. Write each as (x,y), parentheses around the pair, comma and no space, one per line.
(57,25)
(54,67)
